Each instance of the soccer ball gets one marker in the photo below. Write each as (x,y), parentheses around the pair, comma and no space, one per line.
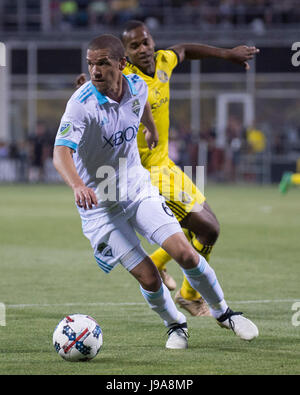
(77,337)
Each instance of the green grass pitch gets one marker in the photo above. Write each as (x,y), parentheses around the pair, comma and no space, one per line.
(48,271)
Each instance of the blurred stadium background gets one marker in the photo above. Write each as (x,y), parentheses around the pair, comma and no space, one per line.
(244,126)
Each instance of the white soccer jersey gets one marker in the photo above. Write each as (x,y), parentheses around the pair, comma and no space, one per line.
(103,133)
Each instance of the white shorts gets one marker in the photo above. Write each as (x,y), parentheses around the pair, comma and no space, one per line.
(115,241)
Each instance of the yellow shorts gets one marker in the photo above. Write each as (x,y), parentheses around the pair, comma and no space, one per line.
(178,189)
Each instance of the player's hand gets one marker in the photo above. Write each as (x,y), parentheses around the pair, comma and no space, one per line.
(85,197)
(242,54)
(151,138)
(80,80)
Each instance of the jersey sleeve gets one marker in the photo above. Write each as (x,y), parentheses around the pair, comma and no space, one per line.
(72,125)
(169,58)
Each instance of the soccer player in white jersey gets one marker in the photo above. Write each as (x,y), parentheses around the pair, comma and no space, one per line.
(97,138)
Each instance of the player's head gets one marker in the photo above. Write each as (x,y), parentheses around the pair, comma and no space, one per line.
(139,44)
(106,61)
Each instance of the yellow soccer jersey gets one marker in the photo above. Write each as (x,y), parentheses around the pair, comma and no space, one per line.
(159,98)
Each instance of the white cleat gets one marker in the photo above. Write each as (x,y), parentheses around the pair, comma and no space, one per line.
(241,326)
(178,337)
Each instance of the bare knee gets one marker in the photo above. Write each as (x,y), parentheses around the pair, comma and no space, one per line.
(147,275)
(211,233)
(204,224)
(187,257)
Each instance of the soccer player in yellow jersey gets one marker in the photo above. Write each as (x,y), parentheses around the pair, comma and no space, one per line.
(183,197)
(288,179)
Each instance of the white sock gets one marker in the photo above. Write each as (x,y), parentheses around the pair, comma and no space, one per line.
(204,280)
(162,303)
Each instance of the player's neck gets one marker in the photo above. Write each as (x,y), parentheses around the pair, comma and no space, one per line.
(116,93)
(149,69)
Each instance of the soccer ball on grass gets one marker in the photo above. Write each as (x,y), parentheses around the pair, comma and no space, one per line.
(77,337)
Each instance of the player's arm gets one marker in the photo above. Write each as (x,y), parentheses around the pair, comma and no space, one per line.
(240,54)
(151,133)
(63,162)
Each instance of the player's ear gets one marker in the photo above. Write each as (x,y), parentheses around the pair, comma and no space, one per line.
(122,64)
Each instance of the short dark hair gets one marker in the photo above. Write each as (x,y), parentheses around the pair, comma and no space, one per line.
(108,41)
(131,25)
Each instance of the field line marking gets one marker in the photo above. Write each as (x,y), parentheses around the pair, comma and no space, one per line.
(15,306)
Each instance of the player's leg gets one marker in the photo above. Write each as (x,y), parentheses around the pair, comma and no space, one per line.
(158,224)
(203,279)
(287,180)
(159,300)
(182,198)
(204,231)
(116,242)
(160,258)
(157,296)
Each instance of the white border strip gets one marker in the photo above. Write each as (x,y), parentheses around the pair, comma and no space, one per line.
(41,305)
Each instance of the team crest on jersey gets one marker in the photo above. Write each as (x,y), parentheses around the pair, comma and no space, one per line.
(184,197)
(136,107)
(156,93)
(65,128)
(104,249)
(162,76)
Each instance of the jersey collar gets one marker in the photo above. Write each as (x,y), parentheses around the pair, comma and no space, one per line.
(101,98)
(133,91)
(104,99)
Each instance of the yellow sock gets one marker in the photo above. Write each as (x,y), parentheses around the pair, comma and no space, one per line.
(160,257)
(187,292)
(295,178)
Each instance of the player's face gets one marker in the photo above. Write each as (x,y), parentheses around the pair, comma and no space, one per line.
(104,70)
(139,46)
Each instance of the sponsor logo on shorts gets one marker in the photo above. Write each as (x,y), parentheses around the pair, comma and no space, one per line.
(167,210)
(104,249)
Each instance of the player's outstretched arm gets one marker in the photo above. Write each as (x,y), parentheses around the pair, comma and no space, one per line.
(240,54)
(151,133)
(63,162)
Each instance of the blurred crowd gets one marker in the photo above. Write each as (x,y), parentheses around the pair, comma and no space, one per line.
(242,147)
(34,155)
(31,154)
(87,13)
(64,15)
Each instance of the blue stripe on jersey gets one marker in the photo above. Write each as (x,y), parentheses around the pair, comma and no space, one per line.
(101,98)
(66,143)
(104,266)
(89,93)
(131,84)
(82,93)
